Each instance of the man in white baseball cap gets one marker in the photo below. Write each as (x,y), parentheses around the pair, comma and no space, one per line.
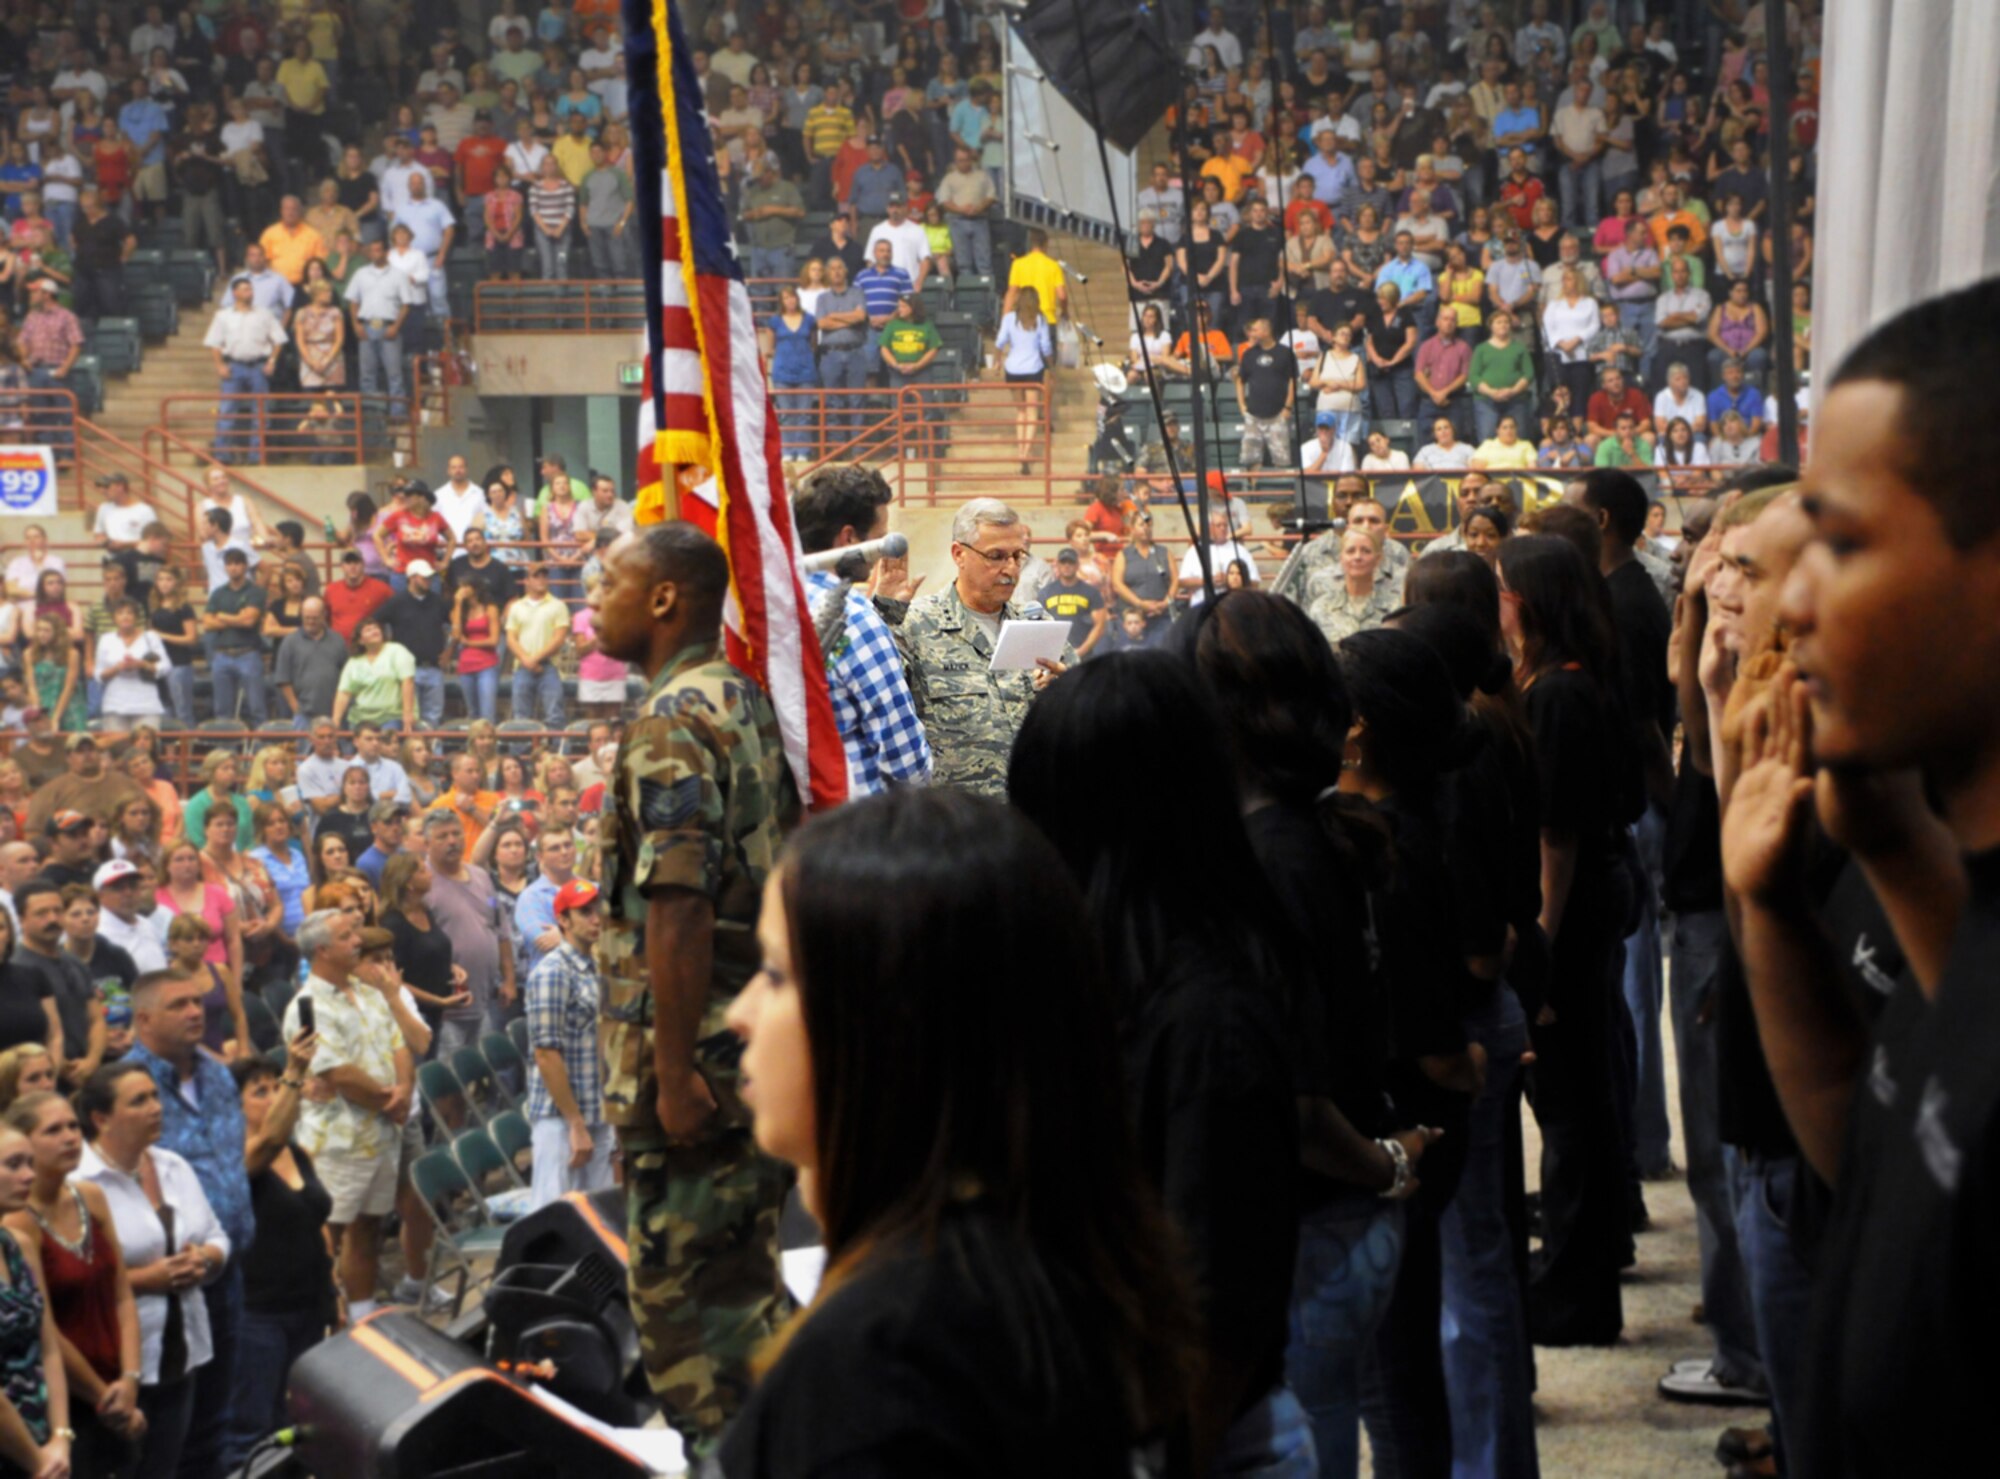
(119,886)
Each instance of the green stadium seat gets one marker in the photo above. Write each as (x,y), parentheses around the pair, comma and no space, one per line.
(191,275)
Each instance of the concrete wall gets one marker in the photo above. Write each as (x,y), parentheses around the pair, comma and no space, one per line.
(552,364)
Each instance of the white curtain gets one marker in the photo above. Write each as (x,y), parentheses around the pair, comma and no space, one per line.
(1909,161)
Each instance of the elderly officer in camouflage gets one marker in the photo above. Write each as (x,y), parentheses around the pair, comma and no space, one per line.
(971,713)
(701,798)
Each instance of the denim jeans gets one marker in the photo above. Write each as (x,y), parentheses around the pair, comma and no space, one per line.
(240,423)
(1393,392)
(215,1383)
(429,686)
(1486,414)
(267,1346)
(798,417)
(180,693)
(1780,1286)
(1345,1272)
(457,1032)
(382,365)
(1484,1332)
(845,370)
(1637,315)
(1644,989)
(773,262)
(1272,1440)
(169,1410)
(481,693)
(1580,186)
(971,244)
(227,672)
(1699,939)
(553,254)
(553,1176)
(539,695)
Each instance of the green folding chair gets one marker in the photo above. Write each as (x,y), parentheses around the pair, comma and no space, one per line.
(451,1108)
(516,1141)
(464,1232)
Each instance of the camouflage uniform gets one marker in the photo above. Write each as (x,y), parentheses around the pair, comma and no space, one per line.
(971,713)
(701,799)
(1339,614)
(1324,549)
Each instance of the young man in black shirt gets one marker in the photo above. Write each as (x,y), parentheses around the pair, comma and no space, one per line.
(1071,598)
(1256,265)
(1267,380)
(103,242)
(1340,302)
(1894,616)
(420,619)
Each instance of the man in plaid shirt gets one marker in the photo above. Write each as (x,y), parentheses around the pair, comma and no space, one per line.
(841,505)
(572,1142)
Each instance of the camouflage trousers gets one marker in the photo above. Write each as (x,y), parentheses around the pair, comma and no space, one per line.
(702,1224)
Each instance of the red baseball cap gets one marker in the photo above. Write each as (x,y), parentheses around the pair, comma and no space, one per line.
(578,893)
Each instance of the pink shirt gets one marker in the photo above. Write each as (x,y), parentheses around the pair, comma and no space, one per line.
(595,667)
(216,906)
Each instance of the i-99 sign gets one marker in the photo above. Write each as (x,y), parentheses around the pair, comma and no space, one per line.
(28,482)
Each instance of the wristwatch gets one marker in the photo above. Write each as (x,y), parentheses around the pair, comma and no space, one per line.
(68,1435)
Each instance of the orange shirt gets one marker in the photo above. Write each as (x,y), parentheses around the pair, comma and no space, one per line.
(477,158)
(485,801)
(1230,170)
(290,248)
(1661,223)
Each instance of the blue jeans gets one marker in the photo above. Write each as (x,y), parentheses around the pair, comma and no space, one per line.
(429,685)
(1637,315)
(241,422)
(1755,364)
(1644,989)
(1484,1332)
(1580,186)
(971,244)
(1699,938)
(268,1344)
(845,369)
(1486,414)
(1346,1271)
(539,695)
(215,1383)
(180,693)
(382,366)
(798,417)
(553,254)
(62,216)
(1271,1441)
(1780,1286)
(768,262)
(1393,392)
(481,692)
(227,672)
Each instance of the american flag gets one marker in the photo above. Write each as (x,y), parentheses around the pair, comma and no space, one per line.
(707,424)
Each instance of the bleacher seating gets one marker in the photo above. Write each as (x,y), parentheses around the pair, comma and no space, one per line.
(117,343)
(191,275)
(153,304)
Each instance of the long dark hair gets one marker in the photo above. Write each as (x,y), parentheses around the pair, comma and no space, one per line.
(1126,846)
(1464,583)
(1562,616)
(1415,725)
(939,1075)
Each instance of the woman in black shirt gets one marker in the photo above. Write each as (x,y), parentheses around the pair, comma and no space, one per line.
(1194,950)
(997,1287)
(1563,650)
(1410,730)
(1286,713)
(423,949)
(289,1299)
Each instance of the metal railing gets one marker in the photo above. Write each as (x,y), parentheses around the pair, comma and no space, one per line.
(42,418)
(328,427)
(574,306)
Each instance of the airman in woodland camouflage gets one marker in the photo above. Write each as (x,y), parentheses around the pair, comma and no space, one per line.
(971,713)
(700,801)
(1334,608)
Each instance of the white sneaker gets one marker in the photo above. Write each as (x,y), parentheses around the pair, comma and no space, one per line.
(409,1291)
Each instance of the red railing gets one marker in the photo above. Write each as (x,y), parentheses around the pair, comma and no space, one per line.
(575,306)
(329,427)
(41,418)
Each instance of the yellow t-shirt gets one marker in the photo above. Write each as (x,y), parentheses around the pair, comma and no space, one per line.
(1040,271)
(535,624)
(1230,170)
(304,84)
(572,157)
(1491,454)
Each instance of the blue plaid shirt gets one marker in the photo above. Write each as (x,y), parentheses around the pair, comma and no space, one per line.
(562,1014)
(208,1135)
(871,697)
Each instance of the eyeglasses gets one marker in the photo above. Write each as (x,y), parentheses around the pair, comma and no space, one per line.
(998,556)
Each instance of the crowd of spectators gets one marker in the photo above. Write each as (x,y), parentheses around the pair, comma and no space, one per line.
(1557,241)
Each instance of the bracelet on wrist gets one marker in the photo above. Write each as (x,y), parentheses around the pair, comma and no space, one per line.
(1400,1160)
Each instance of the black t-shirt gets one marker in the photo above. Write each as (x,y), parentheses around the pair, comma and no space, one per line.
(228,600)
(1338,1021)
(63,978)
(1217,1129)
(421,955)
(422,626)
(1644,629)
(1577,743)
(1258,254)
(1902,1359)
(100,243)
(1268,376)
(199,172)
(351,827)
(1336,308)
(21,1016)
(1149,261)
(1076,604)
(851,254)
(497,583)
(1201,257)
(354,193)
(62,875)
(1692,854)
(975,1360)
(1752,184)
(288,1270)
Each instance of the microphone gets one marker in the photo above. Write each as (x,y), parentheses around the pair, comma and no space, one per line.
(860,556)
(1079,276)
(1046,142)
(1028,72)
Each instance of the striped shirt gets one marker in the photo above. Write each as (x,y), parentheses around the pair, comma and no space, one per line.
(878,722)
(880,289)
(552,206)
(828,126)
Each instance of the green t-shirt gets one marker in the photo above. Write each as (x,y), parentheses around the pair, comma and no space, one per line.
(1610,454)
(194,816)
(1497,367)
(908,342)
(377,683)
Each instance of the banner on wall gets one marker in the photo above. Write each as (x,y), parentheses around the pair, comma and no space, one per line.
(28,482)
(1421,505)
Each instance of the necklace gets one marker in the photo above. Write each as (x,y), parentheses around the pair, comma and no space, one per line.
(80,1249)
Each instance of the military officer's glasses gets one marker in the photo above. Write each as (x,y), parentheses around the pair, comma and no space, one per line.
(997,556)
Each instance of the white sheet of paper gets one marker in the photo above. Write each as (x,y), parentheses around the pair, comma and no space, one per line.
(1021,642)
